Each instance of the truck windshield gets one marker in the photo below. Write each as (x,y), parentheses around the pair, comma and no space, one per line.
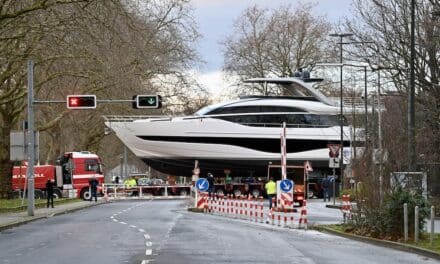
(92,165)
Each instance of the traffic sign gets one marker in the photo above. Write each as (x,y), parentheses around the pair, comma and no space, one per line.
(202,184)
(333,150)
(333,163)
(286,185)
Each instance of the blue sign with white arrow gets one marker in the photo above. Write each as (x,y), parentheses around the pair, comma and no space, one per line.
(286,185)
(202,184)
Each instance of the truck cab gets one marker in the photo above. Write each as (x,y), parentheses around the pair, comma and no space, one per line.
(74,171)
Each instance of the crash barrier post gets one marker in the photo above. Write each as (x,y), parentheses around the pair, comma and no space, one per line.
(346,207)
(416,224)
(405,222)
(431,238)
(303,215)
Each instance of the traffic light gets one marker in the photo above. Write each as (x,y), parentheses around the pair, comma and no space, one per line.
(147,101)
(81,101)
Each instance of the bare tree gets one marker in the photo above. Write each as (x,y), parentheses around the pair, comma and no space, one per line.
(274,42)
(387,23)
(113,49)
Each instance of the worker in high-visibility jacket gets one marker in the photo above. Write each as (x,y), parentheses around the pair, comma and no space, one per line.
(271,190)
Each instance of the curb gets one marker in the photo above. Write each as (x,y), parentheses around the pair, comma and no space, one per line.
(383,243)
(35,218)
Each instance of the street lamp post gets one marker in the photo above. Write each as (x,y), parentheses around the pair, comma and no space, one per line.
(411,95)
(341,160)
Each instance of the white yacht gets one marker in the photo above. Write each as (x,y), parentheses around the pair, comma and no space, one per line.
(242,136)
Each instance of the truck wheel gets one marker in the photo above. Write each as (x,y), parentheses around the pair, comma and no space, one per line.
(183,192)
(220,192)
(256,193)
(85,194)
(57,194)
(237,192)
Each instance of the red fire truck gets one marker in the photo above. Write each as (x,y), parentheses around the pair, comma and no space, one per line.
(71,174)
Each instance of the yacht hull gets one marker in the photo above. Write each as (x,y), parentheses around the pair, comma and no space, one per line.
(172,145)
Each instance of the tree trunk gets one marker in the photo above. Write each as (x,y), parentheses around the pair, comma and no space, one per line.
(5,162)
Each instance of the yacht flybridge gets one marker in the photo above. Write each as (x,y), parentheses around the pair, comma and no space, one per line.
(242,135)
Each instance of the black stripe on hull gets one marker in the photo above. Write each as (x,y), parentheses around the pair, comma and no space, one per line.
(238,168)
(270,145)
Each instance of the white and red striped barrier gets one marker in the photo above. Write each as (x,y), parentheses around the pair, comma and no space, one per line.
(250,209)
(346,207)
(303,216)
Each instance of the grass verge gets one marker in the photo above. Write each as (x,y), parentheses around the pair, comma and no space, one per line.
(424,241)
(15,205)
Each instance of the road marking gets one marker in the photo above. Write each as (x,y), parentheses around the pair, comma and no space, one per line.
(141,230)
(112,217)
(147,237)
(148,252)
(133,226)
(124,223)
(145,261)
(115,220)
(148,243)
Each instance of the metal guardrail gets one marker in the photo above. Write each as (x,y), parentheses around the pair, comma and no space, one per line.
(121,191)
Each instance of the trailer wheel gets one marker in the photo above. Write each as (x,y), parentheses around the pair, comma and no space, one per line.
(256,193)
(85,194)
(220,192)
(237,192)
(183,192)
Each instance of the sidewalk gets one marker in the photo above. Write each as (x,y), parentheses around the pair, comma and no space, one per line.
(8,220)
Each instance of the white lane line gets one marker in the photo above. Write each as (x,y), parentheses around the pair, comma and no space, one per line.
(112,217)
(148,244)
(133,226)
(145,261)
(141,230)
(115,220)
(124,223)
(148,252)
(147,237)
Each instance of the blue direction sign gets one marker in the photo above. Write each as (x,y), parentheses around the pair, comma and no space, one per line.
(202,184)
(286,185)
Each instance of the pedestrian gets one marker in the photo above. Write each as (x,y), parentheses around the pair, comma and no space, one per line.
(49,192)
(271,190)
(93,188)
(326,188)
(210,178)
(117,179)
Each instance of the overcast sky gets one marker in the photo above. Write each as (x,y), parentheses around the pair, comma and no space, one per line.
(215,19)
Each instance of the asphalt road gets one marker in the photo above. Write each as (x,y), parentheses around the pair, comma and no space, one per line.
(164,232)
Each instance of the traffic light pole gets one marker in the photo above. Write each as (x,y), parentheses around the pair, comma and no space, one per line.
(31,143)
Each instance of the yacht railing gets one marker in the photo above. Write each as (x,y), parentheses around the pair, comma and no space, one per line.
(130,118)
